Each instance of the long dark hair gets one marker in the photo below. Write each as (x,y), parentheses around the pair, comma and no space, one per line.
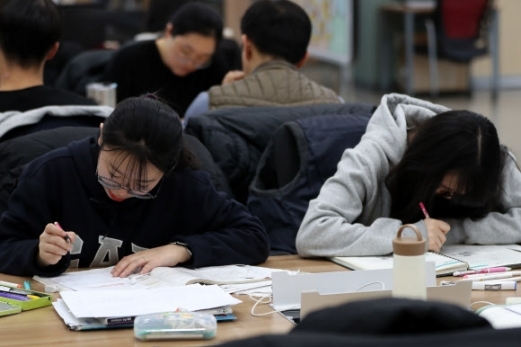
(463,143)
(146,130)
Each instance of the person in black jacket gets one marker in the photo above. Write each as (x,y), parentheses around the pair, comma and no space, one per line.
(129,198)
(30,31)
(178,65)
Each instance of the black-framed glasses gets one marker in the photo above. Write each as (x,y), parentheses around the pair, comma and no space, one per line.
(185,57)
(111,184)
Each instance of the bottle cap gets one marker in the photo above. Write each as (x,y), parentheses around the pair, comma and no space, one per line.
(409,246)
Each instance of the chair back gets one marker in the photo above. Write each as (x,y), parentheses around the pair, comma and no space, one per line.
(462,28)
(462,19)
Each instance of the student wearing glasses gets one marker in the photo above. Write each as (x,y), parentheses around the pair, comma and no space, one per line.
(178,65)
(416,152)
(131,197)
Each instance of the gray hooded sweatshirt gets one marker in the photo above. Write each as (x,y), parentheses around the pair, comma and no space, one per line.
(350,216)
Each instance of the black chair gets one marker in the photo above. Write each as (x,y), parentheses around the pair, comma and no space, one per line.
(91,24)
(300,157)
(236,137)
(86,67)
(67,51)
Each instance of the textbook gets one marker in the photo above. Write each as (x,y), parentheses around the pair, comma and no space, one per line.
(229,274)
(161,277)
(451,258)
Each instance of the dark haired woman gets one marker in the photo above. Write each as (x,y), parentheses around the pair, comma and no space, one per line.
(414,151)
(129,198)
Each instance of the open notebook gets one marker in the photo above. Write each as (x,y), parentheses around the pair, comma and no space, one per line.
(452,258)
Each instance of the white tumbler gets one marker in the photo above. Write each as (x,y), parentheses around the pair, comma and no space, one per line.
(409,265)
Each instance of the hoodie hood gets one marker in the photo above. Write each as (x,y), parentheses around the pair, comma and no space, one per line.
(396,115)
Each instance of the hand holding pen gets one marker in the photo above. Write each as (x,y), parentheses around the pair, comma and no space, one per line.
(436,230)
(54,244)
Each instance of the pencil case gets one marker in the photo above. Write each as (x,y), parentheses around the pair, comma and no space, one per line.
(26,299)
(175,325)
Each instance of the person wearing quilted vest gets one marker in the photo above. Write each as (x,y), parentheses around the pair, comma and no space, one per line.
(275,37)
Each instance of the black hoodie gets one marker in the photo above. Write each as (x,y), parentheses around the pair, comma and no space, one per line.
(62,186)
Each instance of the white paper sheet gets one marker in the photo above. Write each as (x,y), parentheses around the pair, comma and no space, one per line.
(124,303)
(75,323)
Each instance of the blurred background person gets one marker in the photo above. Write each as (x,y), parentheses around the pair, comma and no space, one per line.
(178,65)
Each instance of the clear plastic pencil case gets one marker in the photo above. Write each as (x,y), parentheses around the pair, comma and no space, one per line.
(175,325)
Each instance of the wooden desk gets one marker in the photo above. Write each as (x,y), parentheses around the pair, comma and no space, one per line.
(45,328)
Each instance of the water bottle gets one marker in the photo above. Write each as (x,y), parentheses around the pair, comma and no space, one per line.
(409,265)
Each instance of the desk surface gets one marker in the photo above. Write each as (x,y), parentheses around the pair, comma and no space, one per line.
(45,328)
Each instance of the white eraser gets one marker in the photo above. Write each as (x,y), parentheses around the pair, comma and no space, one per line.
(50,289)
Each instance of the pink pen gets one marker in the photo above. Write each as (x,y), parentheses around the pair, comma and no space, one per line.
(66,236)
(424,210)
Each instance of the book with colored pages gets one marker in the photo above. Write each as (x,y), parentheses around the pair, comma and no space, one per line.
(451,258)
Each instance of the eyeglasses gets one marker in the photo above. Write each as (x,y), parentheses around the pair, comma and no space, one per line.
(184,57)
(111,184)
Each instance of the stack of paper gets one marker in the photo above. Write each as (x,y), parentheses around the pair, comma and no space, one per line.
(102,301)
(93,309)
